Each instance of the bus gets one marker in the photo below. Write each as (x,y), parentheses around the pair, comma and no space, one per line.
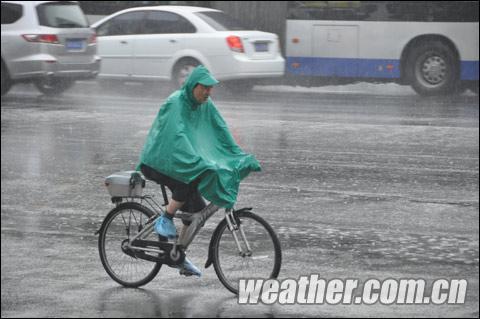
(430,45)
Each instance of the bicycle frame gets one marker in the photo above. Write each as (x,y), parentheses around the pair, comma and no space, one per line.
(197,222)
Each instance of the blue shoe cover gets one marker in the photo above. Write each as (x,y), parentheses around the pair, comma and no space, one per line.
(165,227)
(189,269)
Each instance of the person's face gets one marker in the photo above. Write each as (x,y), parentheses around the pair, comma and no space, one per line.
(202,92)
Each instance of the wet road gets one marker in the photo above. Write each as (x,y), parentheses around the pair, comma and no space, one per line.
(357,185)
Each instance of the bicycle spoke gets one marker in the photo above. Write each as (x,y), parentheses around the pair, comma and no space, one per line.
(124,268)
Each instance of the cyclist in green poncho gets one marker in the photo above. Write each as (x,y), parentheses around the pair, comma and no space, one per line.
(190,150)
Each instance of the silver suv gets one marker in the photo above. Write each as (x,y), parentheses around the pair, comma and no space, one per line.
(48,43)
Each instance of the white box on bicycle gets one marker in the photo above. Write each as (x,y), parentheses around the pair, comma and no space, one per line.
(125,184)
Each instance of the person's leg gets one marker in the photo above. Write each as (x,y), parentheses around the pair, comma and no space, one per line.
(164,225)
(173,206)
(188,232)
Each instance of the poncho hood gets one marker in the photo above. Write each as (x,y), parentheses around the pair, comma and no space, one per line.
(199,75)
(190,141)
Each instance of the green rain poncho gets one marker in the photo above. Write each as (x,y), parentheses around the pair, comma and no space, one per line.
(189,140)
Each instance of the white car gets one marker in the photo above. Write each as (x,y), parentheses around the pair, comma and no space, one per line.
(167,42)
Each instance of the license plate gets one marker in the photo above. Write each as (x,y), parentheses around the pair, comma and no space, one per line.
(261,47)
(74,44)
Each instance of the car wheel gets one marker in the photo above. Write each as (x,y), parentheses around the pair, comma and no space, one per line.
(6,82)
(239,87)
(432,69)
(182,70)
(53,86)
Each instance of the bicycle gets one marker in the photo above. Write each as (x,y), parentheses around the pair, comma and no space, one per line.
(243,245)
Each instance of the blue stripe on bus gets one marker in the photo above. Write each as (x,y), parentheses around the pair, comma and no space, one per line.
(361,68)
(469,70)
(369,68)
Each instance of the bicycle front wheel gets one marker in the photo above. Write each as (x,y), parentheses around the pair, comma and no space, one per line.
(262,261)
(123,223)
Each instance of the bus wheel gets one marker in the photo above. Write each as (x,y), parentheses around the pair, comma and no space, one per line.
(432,69)
(239,87)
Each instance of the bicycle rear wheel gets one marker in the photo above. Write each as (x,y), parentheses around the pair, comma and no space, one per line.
(123,223)
(264,261)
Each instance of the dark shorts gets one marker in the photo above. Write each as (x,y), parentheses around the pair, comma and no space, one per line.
(181,192)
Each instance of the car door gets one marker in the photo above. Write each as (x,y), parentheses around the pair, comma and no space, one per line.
(115,41)
(163,35)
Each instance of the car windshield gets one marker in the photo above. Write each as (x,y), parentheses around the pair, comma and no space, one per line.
(220,21)
(61,15)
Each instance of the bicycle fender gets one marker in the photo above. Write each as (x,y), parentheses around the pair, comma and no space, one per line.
(216,232)
(103,223)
